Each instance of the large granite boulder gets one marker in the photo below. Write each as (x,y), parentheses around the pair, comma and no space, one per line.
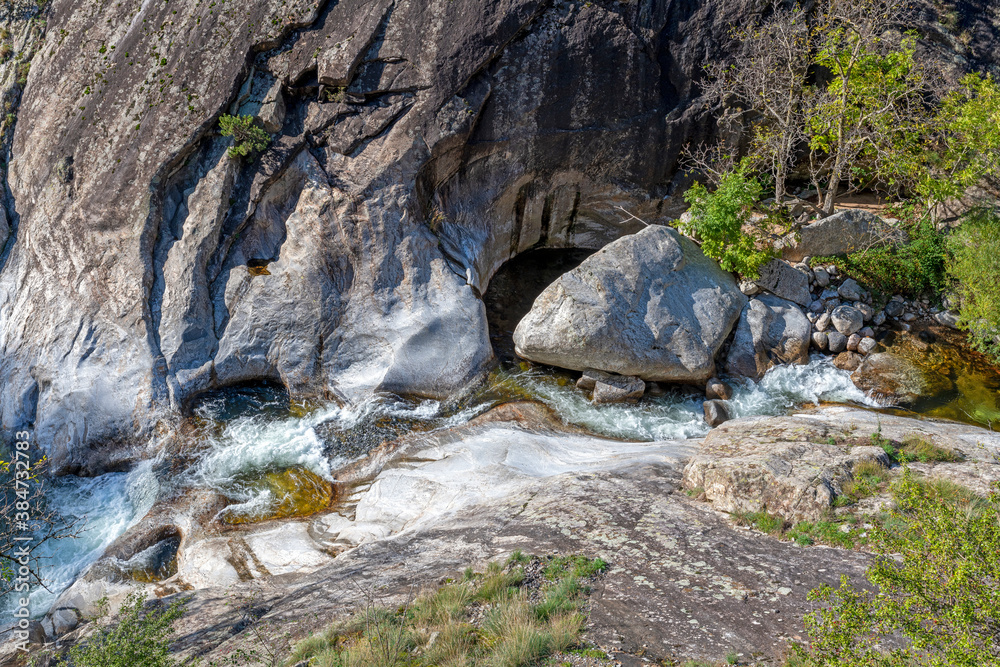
(650,305)
(841,233)
(771,331)
(796,466)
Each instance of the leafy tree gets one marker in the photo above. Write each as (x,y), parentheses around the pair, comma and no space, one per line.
(248,137)
(935,578)
(975,265)
(965,146)
(767,76)
(720,220)
(139,637)
(837,88)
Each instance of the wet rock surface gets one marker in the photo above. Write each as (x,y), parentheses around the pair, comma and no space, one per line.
(770,332)
(683,581)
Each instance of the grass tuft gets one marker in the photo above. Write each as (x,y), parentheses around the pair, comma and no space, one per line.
(493,618)
(916,448)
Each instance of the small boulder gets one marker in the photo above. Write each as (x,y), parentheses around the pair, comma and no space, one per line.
(947,318)
(894,308)
(848,361)
(780,279)
(618,389)
(895,380)
(852,342)
(823,323)
(867,312)
(716,388)
(716,412)
(590,378)
(771,331)
(836,342)
(750,288)
(820,341)
(867,332)
(850,290)
(879,318)
(909,317)
(847,319)
(822,276)
(867,346)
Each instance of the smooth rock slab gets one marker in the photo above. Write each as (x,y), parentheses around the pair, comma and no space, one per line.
(785,281)
(649,305)
(771,331)
(842,233)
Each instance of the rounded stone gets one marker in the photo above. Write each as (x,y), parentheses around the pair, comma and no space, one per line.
(847,319)
(837,342)
(852,342)
(716,388)
(822,276)
(867,345)
(820,341)
(716,412)
(894,308)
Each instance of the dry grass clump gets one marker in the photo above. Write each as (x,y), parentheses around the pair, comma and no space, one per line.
(497,618)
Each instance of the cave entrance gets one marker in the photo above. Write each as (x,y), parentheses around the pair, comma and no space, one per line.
(514,288)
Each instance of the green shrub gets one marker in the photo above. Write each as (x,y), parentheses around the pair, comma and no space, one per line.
(140,636)
(248,137)
(975,266)
(933,583)
(911,268)
(720,220)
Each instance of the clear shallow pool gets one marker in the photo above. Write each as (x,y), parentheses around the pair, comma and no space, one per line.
(255,447)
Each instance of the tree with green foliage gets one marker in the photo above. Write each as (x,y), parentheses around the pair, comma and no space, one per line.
(974,268)
(839,85)
(721,220)
(934,584)
(138,636)
(248,137)
(964,149)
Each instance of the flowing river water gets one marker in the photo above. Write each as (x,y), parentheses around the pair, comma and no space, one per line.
(273,458)
(248,438)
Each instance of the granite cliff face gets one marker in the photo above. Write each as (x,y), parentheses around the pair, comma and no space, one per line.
(417,145)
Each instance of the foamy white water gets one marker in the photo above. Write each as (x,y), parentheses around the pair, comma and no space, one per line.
(263,439)
(679,415)
(104,507)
